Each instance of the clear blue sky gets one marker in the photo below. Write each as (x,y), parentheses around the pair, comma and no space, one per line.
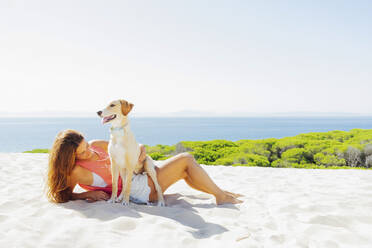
(223,57)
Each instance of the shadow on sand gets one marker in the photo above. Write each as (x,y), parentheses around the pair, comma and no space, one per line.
(177,209)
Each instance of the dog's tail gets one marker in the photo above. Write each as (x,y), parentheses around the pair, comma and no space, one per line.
(150,168)
(149,162)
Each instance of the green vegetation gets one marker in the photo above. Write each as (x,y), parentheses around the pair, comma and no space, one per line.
(38,151)
(332,150)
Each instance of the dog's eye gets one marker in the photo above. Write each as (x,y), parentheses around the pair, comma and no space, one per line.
(112,105)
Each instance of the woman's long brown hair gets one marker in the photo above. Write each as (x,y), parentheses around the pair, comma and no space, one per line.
(61,163)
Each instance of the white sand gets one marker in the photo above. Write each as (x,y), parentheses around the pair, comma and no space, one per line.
(282,208)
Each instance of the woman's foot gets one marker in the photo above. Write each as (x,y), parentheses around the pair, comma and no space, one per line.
(233,194)
(227,198)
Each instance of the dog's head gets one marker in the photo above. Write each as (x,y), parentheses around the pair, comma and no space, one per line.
(115,111)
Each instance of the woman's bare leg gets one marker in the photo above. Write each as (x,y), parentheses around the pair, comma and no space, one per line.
(184,166)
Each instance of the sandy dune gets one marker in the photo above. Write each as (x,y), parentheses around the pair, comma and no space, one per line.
(282,208)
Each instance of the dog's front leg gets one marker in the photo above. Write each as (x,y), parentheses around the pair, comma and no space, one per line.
(123,176)
(115,179)
(126,189)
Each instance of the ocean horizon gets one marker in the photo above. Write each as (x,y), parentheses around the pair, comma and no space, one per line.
(19,134)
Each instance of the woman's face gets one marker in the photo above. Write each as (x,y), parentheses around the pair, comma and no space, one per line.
(83,151)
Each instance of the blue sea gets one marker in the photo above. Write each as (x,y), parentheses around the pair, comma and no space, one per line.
(22,134)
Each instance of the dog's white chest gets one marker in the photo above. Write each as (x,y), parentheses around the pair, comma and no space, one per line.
(123,148)
(117,152)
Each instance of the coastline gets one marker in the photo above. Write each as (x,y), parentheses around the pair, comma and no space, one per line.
(316,150)
(32,133)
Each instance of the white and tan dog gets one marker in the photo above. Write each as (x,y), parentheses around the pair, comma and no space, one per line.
(124,152)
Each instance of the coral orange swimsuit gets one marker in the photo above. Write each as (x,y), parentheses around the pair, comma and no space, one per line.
(102,168)
(140,189)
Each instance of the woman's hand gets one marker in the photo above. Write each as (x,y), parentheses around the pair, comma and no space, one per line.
(142,156)
(92,196)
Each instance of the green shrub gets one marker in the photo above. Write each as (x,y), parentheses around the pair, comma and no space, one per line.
(295,155)
(251,160)
(280,163)
(327,160)
(205,156)
(224,161)
(38,151)
(156,155)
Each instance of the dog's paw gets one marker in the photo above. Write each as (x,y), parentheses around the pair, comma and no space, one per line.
(120,199)
(111,200)
(161,204)
(125,203)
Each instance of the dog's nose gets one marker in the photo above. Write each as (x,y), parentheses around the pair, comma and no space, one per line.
(99,113)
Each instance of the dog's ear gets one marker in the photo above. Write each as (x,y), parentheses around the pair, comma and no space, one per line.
(126,107)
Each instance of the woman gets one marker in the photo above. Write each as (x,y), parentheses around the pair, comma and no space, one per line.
(73,161)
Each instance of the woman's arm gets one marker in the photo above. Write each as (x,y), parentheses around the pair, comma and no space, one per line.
(90,196)
(80,196)
(73,180)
